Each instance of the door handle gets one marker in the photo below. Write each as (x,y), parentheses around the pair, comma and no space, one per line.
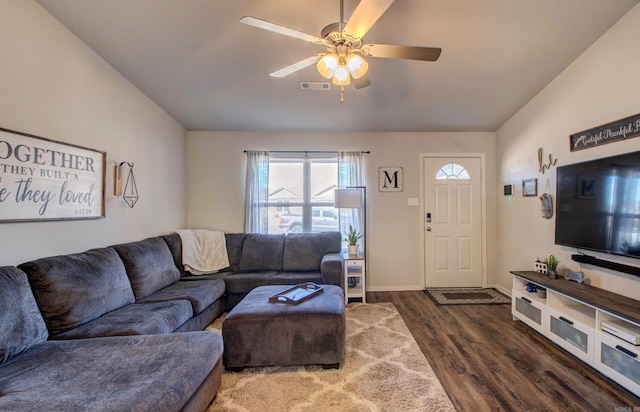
(428,229)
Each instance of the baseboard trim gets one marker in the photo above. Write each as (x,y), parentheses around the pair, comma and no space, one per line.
(403,288)
(501,289)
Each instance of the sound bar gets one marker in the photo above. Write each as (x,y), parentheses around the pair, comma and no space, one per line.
(606,264)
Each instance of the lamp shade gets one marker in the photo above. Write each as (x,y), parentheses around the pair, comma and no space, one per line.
(357,66)
(327,65)
(348,198)
(341,76)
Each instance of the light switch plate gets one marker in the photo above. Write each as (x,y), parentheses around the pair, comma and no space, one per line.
(413,201)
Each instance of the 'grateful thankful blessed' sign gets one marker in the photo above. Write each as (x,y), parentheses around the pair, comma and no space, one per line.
(608,133)
(41,179)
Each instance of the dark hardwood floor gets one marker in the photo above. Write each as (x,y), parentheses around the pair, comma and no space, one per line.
(488,362)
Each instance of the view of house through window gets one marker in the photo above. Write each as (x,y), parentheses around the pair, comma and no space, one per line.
(301,192)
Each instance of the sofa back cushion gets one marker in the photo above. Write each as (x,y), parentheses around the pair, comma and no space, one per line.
(235,242)
(21,324)
(74,289)
(262,252)
(174,243)
(149,265)
(304,251)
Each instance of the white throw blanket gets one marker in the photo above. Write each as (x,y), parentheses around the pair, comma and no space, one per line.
(203,251)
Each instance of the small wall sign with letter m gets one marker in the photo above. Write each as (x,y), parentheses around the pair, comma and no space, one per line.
(390,179)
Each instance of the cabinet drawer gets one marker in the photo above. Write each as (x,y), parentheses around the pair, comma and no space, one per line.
(354,262)
(618,361)
(571,335)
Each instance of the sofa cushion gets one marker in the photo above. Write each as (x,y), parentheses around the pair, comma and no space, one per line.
(123,373)
(149,265)
(74,289)
(174,243)
(245,282)
(235,242)
(21,324)
(201,293)
(135,319)
(262,252)
(304,251)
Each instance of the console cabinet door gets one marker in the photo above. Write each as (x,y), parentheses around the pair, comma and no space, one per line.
(529,311)
(572,335)
(617,360)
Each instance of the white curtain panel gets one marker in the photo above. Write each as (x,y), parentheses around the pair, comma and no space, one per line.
(257,192)
(350,173)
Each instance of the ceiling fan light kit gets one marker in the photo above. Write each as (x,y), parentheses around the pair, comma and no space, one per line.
(342,41)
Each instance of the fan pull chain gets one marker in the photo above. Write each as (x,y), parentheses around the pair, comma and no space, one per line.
(341,94)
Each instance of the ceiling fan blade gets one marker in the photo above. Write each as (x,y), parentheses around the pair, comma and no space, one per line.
(361,83)
(276,28)
(364,16)
(297,66)
(429,54)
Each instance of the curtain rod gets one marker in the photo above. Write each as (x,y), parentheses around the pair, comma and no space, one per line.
(312,151)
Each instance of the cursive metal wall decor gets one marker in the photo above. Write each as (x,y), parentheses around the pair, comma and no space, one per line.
(607,133)
(42,179)
(544,166)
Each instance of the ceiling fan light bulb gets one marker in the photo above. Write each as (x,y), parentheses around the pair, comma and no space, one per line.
(327,65)
(357,66)
(341,76)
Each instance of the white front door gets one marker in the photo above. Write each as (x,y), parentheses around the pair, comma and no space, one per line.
(452,221)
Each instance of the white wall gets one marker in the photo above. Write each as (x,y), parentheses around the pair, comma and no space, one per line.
(52,85)
(599,87)
(216,181)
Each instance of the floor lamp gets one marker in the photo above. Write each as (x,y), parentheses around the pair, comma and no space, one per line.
(354,197)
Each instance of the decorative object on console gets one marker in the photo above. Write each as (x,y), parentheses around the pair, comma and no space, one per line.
(575,276)
(130,194)
(607,133)
(540,267)
(552,265)
(530,187)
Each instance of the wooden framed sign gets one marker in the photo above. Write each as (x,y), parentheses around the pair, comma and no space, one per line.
(607,133)
(390,179)
(42,179)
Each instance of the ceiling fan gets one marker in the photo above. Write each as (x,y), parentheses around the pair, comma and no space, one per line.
(342,60)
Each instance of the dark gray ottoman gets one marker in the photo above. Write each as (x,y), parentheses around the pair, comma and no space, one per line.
(260,333)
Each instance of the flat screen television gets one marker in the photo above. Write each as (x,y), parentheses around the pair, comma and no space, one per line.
(598,205)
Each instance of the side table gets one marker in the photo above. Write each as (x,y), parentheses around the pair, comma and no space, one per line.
(354,277)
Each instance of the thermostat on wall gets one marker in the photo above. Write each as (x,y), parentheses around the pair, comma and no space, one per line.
(508,190)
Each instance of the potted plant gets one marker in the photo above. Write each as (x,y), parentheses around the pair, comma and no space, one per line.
(552,266)
(352,240)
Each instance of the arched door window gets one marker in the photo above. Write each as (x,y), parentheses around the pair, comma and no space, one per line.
(452,171)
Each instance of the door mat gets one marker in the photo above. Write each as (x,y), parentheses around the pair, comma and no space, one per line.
(487,296)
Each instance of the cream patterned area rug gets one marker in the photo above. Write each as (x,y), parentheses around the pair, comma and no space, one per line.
(384,371)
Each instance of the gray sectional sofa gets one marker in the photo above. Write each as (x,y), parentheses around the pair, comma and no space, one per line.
(120,328)
(261,260)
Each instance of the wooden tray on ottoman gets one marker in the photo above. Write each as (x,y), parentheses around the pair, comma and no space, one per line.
(297,293)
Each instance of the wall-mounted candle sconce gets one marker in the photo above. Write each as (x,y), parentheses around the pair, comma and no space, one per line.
(130,194)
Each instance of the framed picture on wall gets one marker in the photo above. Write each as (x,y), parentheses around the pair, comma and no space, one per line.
(530,188)
(42,179)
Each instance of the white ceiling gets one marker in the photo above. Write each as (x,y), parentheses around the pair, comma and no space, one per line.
(210,72)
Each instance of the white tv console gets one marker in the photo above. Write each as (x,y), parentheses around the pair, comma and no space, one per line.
(571,315)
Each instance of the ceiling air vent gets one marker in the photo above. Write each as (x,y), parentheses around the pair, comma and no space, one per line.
(315,86)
